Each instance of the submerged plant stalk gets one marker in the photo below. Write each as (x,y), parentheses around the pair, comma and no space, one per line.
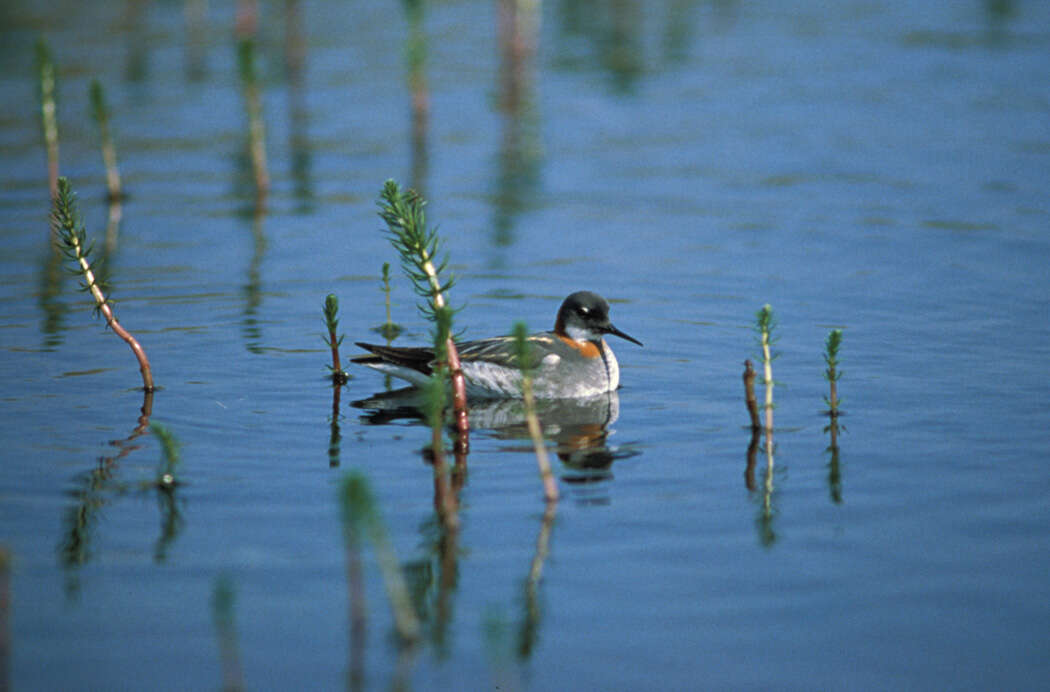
(361,514)
(100,110)
(765,330)
(749,395)
(223,598)
(415,52)
(550,487)
(66,223)
(48,111)
(832,374)
(434,406)
(256,125)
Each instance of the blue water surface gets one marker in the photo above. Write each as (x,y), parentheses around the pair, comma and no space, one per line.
(879,168)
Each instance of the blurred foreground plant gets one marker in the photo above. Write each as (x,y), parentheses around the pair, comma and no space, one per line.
(223,599)
(434,402)
(521,343)
(48,110)
(254,109)
(361,517)
(100,110)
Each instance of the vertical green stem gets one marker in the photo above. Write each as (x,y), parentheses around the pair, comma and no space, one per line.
(100,109)
(48,111)
(256,124)
(550,486)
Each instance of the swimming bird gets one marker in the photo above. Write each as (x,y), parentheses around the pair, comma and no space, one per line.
(571,361)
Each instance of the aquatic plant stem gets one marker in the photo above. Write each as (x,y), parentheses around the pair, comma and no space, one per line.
(832,374)
(749,395)
(48,111)
(418,245)
(765,330)
(223,597)
(100,110)
(256,125)
(434,407)
(358,613)
(360,512)
(765,325)
(386,293)
(550,486)
(415,57)
(388,329)
(331,319)
(65,220)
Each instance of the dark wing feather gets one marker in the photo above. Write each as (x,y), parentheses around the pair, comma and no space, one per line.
(414,358)
(500,350)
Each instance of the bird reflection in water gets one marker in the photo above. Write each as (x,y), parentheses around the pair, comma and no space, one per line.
(579,428)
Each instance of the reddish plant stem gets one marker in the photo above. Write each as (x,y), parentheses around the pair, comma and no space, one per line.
(749,395)
(459,397)
(111,319)
(444,498)
(455,368)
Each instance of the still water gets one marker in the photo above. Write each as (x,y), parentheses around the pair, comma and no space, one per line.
(879,168)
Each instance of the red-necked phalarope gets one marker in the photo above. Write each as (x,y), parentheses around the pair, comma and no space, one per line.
(571,361)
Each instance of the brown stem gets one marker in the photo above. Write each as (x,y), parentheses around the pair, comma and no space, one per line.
(338,376)
(749,395)
(459,397)
(752,454)
(833,399)
(111,320)
(444,498)
(459,383)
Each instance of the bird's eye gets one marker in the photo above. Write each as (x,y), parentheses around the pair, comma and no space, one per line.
(584,310)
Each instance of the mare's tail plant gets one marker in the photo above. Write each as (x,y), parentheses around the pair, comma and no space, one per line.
(765,325)
(832,374)
(418,247)
(100,110)
(253,106)
(223,598)
(415,56)
(388,330)
(68,227)
(169,447)
(434,408)
(525,361)
(48,111)
(166,484)
(749,395)
(331,321)
(361,517)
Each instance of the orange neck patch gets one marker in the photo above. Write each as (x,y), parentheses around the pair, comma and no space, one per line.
(587,349)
